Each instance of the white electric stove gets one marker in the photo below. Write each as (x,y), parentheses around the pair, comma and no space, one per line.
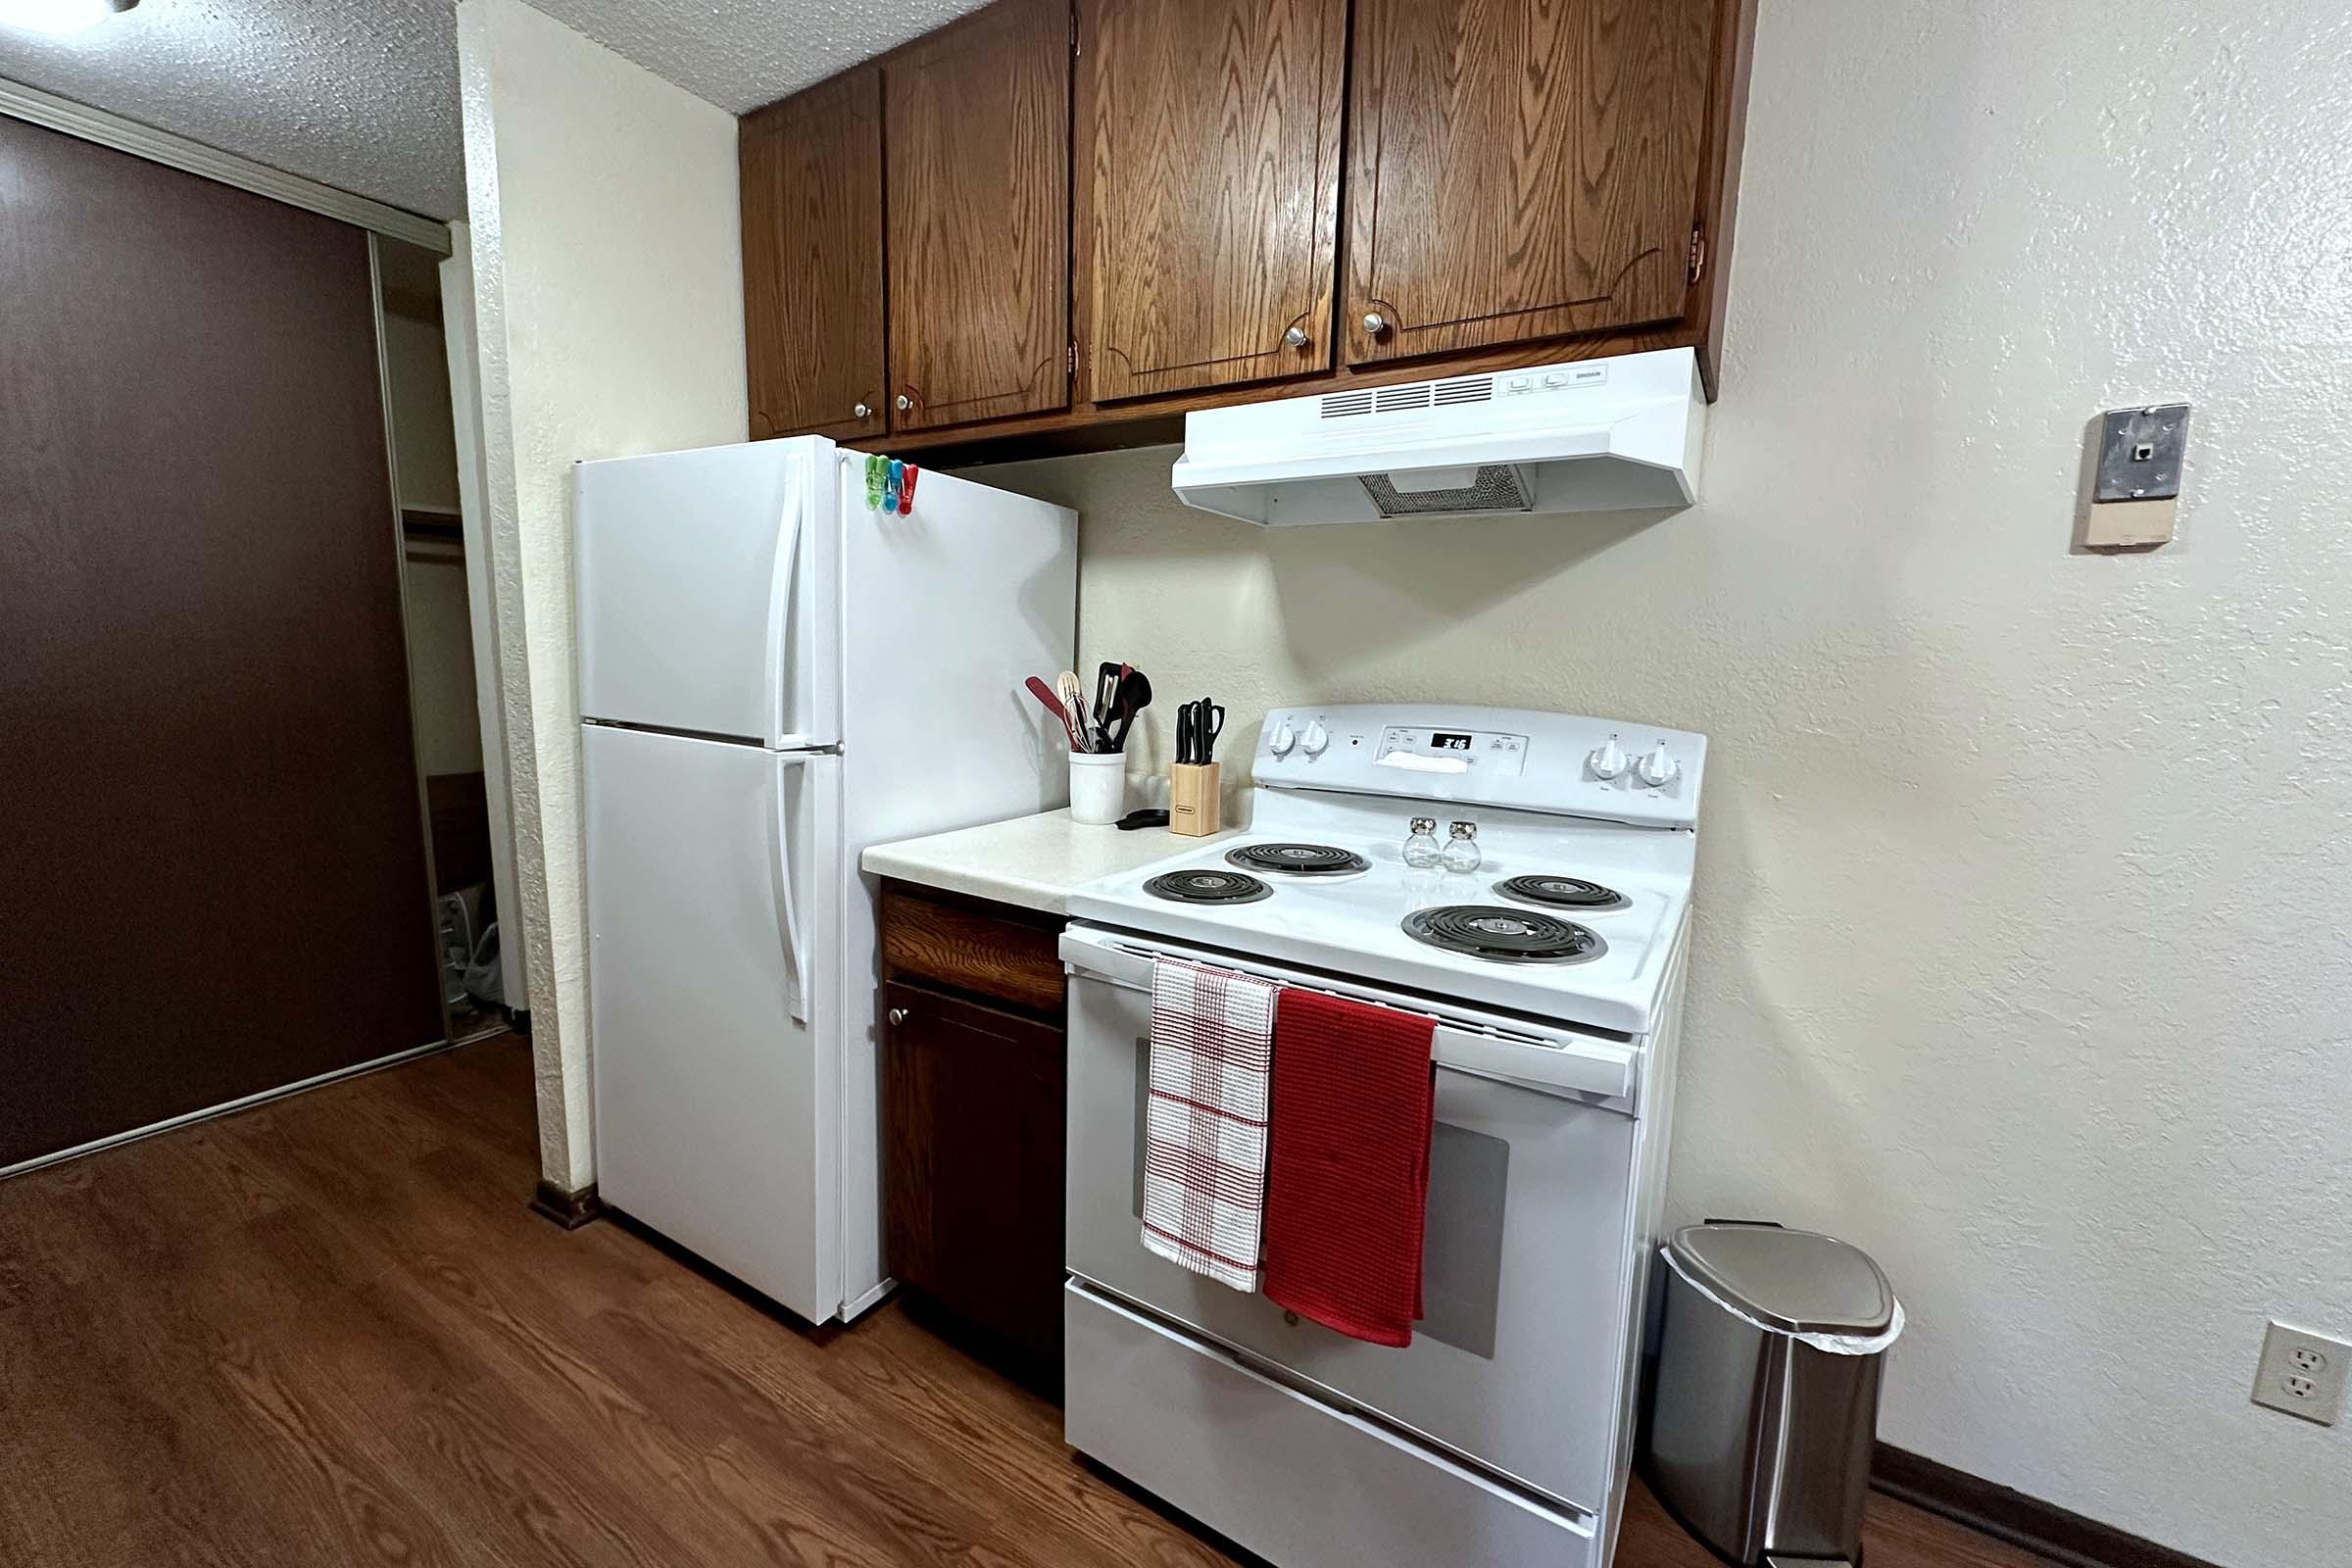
(1553,973)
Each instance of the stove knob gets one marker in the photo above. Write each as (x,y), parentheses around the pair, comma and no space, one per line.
(1657,769)
(1283,739)
(1607,761)
(1317,737)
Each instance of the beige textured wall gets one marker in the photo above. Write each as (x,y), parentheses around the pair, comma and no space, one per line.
(608,302)
(2025,878)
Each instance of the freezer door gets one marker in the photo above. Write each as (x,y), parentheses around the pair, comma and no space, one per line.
(714,1002)
(708,586)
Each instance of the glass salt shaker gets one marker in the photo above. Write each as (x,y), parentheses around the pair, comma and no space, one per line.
(1461,851)
(1421,849)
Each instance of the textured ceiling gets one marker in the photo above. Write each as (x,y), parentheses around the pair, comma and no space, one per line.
(741,54)
(363,94)
(360,94)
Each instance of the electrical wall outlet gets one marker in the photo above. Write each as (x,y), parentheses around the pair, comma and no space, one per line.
(2302,1374)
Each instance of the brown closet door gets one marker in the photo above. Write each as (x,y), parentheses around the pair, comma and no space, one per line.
(215,880)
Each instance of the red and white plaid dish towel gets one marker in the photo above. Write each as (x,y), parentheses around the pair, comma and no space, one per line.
(1204,1151)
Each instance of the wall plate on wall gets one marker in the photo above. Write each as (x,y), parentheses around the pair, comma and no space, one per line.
(2302,1374)
(2140,450)
(2135,485)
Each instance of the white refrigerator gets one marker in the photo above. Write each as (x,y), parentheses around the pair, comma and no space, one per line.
(773,676)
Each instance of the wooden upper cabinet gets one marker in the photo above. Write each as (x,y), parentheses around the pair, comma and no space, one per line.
(1207,151)
(977,118)
(1522,169)
(812,170)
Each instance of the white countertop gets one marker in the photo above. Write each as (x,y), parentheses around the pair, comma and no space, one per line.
(1032,862)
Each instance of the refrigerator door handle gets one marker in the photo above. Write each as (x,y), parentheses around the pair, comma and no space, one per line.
(779,870)
(782,664)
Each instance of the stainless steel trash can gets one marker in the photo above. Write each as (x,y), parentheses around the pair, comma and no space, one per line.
(1767,1396)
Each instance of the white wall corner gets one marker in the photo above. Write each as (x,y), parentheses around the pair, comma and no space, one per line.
(607,249)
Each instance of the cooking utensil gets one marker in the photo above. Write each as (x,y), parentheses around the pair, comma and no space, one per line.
(1073,700)
(1134,695)
(1045,694)
(1106,696)
(1121,691)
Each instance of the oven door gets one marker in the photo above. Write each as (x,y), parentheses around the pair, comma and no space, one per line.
(1518,1364)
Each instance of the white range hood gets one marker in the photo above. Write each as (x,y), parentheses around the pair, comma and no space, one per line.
(1592,435)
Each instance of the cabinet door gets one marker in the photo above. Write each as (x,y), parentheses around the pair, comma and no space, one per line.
(1209,189)
(979,130)
(811,170)
(1522,169)
(972,1107)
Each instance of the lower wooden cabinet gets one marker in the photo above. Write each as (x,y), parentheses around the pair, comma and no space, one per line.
(973,1100)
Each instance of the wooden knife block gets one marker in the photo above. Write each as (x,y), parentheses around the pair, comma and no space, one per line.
(1194,798)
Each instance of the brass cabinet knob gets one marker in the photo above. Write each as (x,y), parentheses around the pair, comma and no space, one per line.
(1296,337)
(1375,323)
(904,403)
(862,410)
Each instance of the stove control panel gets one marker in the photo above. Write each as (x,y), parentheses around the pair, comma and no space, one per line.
(1518,759)
(1450,751)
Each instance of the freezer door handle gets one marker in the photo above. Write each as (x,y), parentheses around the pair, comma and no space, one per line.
(779,868)
(782,665)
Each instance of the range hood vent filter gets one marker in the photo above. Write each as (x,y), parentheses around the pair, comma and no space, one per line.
(1490,488)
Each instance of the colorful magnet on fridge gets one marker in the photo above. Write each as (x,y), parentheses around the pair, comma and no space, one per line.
(906,490)
(890,491)
(875,469)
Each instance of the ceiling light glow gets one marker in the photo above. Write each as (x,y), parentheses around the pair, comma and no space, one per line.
(59,18)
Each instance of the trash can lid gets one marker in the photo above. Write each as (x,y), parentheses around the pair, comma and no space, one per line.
(1794,1280)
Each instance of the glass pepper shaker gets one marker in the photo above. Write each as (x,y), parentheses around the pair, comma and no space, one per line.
(1462,852)
(1421,849)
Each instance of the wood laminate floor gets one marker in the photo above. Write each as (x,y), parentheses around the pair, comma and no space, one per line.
(329,1331)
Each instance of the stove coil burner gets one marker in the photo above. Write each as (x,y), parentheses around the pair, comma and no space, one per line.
(1562,893)
(1298,859)
(1503,936)
(1207,887)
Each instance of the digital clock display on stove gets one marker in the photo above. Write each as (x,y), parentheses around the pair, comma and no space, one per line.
(1443,742)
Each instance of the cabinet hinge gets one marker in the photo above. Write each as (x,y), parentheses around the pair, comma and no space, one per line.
(1075,50)
(1073,359)
(1699,252)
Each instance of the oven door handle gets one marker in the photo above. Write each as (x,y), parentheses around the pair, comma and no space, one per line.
(1582,1068)
(1588,1068)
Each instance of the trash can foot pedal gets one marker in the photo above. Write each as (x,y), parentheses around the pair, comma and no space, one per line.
(1774,1559)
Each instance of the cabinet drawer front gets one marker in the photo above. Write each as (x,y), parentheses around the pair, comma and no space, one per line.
(1208,158)
(977,117)
(811,170)
(1522,169)
(970,950)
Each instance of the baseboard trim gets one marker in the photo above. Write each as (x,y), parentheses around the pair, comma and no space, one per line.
(2007,1514)
(569,1209)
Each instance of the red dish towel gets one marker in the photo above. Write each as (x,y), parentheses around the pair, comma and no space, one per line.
(1347,1164)
(1204,1136)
